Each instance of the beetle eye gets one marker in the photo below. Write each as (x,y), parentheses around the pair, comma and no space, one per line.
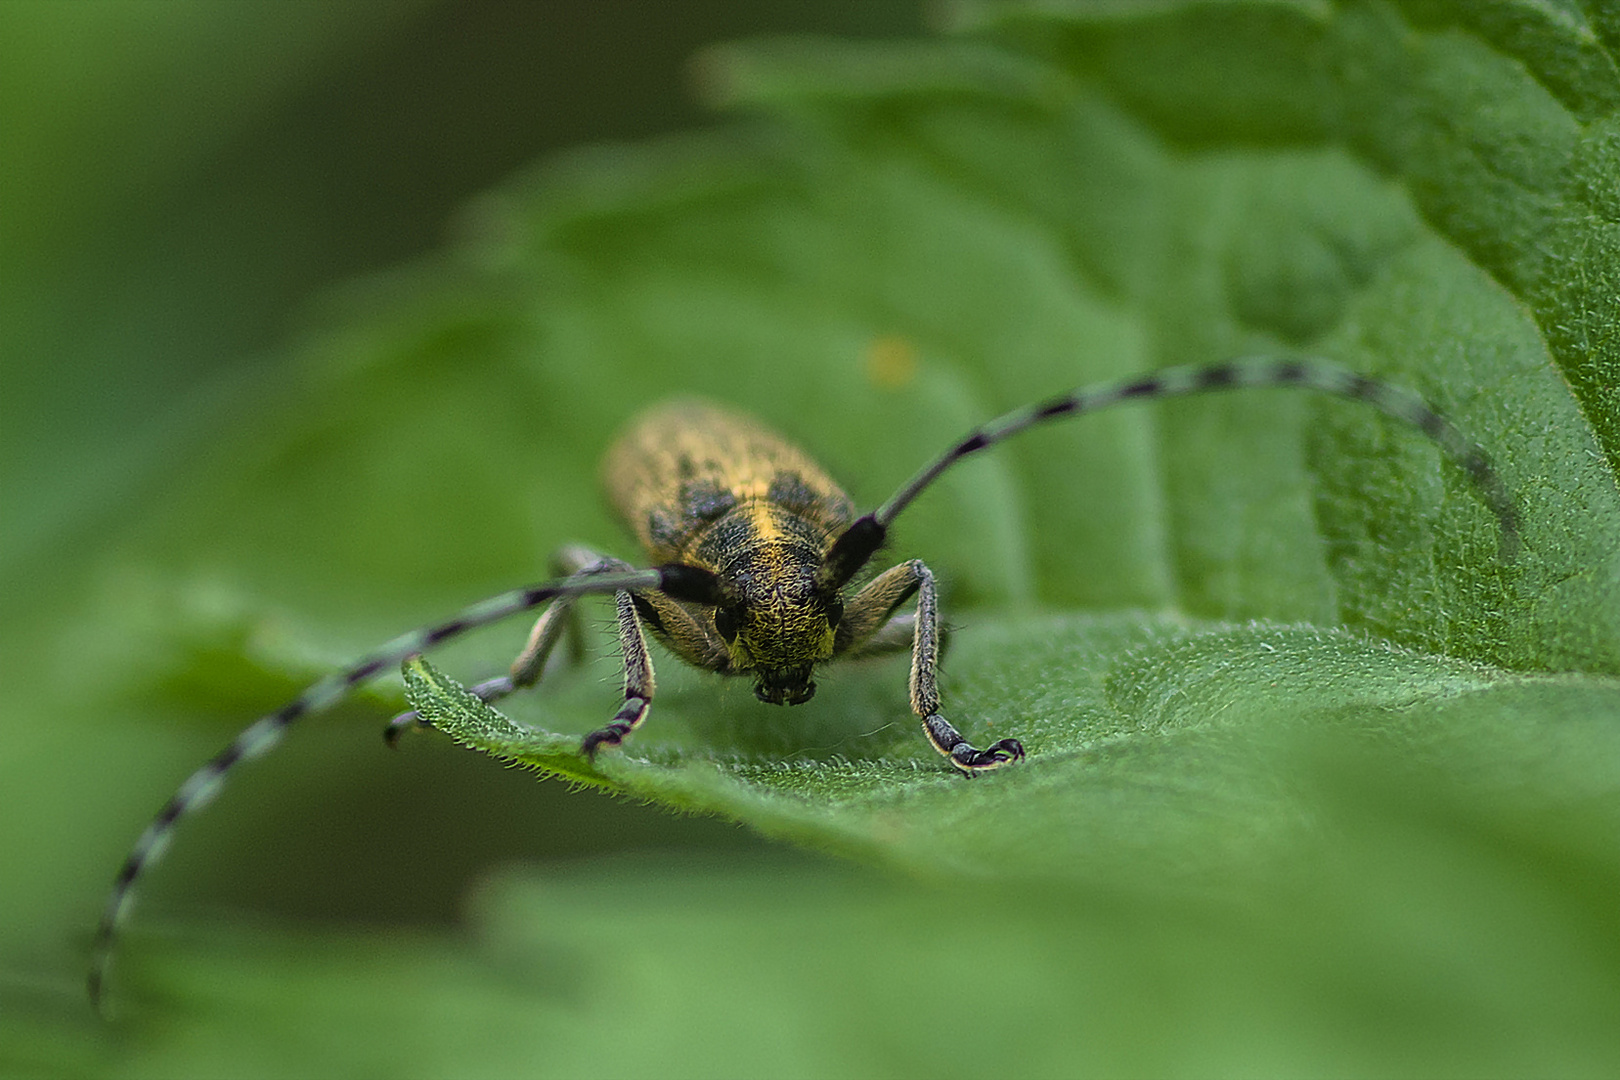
(835,612)
(725,621)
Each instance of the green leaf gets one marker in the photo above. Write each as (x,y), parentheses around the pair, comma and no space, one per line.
(1159,750)
(1315,781)
(1022,220)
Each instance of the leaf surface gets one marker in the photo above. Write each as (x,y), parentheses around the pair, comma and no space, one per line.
(1316,782)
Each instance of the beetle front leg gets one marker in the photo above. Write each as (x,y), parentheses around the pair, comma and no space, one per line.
(638,671)
(865,617)
(638,680)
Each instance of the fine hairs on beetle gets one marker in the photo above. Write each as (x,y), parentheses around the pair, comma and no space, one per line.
(752,546)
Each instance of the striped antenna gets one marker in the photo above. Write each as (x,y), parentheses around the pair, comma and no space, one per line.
(260,737)
(1249,373)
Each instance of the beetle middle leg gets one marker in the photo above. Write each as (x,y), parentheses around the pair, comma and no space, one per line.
(867,629)
(894,636)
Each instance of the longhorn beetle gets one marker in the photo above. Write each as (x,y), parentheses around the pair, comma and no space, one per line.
(753,546)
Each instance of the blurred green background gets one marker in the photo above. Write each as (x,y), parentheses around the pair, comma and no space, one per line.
(179,179)
(313,328)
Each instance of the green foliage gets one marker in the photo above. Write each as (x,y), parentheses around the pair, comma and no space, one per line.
(1171,751)
(1316,783)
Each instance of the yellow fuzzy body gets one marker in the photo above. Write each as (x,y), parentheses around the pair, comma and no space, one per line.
(705,487)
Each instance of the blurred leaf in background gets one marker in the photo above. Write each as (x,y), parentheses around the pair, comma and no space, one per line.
(1317,783)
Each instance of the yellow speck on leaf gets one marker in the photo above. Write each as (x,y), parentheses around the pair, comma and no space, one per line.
(891,361)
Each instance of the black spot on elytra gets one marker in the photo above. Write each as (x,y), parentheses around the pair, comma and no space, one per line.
(789,490)
(706,500)
(661,529)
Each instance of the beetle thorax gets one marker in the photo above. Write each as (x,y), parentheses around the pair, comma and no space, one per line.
(784,622)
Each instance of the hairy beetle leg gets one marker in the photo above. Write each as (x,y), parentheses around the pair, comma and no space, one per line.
(638,680)
(873,609)
(626,720)
(963,754)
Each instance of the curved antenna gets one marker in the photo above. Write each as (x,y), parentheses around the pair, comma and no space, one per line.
(682,582)
(1255,372)
(857,544)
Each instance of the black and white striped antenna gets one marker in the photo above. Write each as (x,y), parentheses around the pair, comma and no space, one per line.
(849,553)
